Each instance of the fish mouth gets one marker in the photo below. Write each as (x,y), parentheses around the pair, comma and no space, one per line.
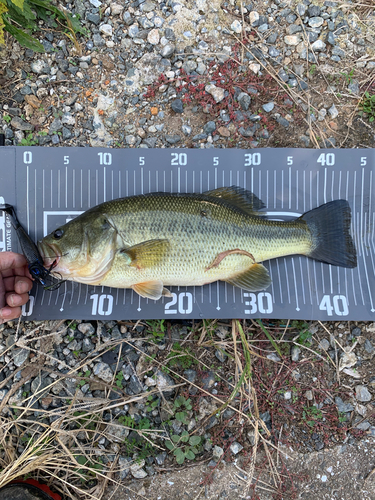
(49,258)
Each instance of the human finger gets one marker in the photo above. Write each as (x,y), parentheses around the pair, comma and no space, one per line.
(16,271)
(15,299)
(22,284)
(7,313)
(11,260)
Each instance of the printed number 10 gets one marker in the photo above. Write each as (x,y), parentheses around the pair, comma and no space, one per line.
(102,304)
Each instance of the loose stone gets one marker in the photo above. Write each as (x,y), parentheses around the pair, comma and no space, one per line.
(177,106)
(292,39)
(268,107)
(362,393)
(217,92)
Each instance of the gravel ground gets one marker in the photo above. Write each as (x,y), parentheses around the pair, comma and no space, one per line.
(193,74)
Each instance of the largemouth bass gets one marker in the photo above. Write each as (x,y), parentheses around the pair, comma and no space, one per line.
(151,241)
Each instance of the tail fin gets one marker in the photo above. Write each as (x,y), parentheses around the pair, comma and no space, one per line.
(330,225)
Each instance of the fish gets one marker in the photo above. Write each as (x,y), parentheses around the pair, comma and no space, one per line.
(31,252)
(153,241)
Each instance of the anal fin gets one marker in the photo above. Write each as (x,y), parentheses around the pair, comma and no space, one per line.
(254,279)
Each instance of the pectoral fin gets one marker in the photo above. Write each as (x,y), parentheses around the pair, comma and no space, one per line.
(146,254)
(150,289)
(254,279)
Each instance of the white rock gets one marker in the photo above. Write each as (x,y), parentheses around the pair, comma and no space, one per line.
(292,39)
(106,29)
(254,67)
(253,17)
(153,37)
(217,92)
(236,26)
(116,9)
(103,371)
(318,46)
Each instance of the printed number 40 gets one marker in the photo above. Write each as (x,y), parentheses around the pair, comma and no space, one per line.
(338,305)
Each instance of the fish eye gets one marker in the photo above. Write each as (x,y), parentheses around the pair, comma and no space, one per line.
(105,224)
(58,234)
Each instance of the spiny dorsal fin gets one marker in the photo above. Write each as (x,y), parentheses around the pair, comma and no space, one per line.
(238,197)
(146,254)
(254,279)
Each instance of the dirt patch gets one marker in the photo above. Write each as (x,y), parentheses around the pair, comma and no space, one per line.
(343,473)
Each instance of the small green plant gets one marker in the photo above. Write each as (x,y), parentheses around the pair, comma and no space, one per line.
(90,467)
(179,404)
(342,417)
(20,17)
(119,379)
(28,141)
(311,415)
(367,106)
(157,328)
(312,69)
(304,334)
(152,403)
(7,118)
(126,421)
(180,356)
(348,76)
(183,447)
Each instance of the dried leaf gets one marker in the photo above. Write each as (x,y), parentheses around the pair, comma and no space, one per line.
(352,373)
(33,101)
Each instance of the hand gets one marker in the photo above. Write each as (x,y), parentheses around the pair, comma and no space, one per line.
(15,283)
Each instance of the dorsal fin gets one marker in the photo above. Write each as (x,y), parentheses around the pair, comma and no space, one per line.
(238,197)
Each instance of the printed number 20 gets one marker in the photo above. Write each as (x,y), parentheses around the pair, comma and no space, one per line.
(184,303)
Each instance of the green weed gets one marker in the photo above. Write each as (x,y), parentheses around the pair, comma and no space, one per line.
(367,106)
(157,328)
(28,141)
(180,356)
(19,18)
(183,447)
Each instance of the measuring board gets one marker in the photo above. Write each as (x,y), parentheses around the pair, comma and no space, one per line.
(49,186)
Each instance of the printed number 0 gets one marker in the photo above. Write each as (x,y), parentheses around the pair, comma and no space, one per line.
(184,303)
(29,305)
